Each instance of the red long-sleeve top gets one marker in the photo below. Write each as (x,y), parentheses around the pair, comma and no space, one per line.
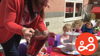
(11,12)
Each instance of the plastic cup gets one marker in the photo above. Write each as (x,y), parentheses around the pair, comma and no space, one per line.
(49,49)
(98,33)
(50,41)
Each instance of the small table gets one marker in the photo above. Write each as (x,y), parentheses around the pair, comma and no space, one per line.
(98,37)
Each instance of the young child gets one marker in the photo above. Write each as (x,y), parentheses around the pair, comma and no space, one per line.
(64,36)
(97,26)
(77,24)
(89,27)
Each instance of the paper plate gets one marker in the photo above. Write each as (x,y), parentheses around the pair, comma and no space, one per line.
(98,37)
(75,33)
(63,49)
(61,46)
(70,52)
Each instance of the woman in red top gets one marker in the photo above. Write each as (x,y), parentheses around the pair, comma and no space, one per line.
(20,18)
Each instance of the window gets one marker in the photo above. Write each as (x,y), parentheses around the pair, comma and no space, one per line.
(78,9)
(69,9)
(73,9)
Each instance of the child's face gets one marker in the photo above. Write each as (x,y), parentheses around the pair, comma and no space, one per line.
(98,24)
(89,25)
(66,30)
(79,27)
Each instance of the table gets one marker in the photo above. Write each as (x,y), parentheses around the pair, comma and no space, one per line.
(57,52)
(98,37)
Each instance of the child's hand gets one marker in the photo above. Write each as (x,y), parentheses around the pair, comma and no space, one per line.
(44,49)
(67,44)
(41,53)
(80,31)
(48,5)
(94,31)
(52,34)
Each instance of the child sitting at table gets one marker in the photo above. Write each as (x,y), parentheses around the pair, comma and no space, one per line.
(64,36)
(77,24)
(97,26)
(89,27)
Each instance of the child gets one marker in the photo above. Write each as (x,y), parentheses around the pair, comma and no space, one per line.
(97,26)
(77,24)
(64,36)
(89,27)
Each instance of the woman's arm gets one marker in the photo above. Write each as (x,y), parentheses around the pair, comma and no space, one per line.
(41,26)
(9,21)
(10,17)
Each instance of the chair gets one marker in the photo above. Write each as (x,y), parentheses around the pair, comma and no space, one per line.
(57,42)
(22,49)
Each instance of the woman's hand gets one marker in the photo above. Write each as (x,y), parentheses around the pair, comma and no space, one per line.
(47,33)
(48,5)
(28,33)
(53,35)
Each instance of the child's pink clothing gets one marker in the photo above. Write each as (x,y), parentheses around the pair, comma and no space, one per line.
(63,39)
(98,33)
(78,30)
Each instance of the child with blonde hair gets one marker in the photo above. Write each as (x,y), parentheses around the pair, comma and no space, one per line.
(77,24)
(64,36)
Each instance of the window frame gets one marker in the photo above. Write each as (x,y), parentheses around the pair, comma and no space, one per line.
(72,18)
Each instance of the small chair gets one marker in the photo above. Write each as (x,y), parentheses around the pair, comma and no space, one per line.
(57,42)
(22,49)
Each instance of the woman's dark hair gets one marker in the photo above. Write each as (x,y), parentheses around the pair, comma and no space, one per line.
(0,0)
(32,14)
